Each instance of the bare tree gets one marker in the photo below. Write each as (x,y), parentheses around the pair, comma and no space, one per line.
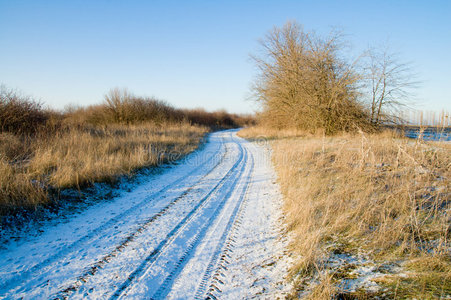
(305,83)
(390,83)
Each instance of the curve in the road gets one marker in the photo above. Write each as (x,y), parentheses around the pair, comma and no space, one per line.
(177,240)
(91,271)
(154,255)
(96,233)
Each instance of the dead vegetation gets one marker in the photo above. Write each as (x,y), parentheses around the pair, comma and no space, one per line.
(120,106)
(80,157)
(310,82)
(305,83)
(365,201)
(20,114)
(34,170)
(44,151)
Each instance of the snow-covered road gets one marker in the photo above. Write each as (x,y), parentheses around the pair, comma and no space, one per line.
(208,227)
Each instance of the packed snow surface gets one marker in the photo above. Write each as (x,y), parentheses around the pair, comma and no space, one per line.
(208,227)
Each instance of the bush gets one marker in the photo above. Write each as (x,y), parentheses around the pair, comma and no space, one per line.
(304,83)
(19,114)
(120,106)
(217,119)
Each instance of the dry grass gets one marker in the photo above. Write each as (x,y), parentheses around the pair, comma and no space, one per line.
(44,151)
(271,133)
(75,157)
(18,189)
(380,195)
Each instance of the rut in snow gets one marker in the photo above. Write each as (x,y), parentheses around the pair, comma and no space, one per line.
(205,228)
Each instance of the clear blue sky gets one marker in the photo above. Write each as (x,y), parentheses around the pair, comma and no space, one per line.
(196,53)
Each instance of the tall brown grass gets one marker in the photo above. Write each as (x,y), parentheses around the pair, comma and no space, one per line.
(377,194)
(43,151)
(18,188)
(76,158)
(438,119)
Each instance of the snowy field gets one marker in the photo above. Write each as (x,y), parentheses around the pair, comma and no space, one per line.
(209,227)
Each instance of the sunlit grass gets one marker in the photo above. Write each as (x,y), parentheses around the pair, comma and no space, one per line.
(377,194)
(78,157)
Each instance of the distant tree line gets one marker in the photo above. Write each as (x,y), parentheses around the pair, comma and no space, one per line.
(23,115)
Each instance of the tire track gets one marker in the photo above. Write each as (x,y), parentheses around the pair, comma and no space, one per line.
(214,235)
(92,270)
(192,242)
(218,263)
(94,234)
(164,289)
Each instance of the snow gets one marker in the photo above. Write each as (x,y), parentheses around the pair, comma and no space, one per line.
(210,226)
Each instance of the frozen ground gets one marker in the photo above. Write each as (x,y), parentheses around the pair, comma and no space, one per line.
(207,228)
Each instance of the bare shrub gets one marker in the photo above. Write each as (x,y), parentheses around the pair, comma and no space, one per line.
(20,114)
(214,120)
(217,119)
(117,103)
(123,107)
(305,83)
(158,111)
